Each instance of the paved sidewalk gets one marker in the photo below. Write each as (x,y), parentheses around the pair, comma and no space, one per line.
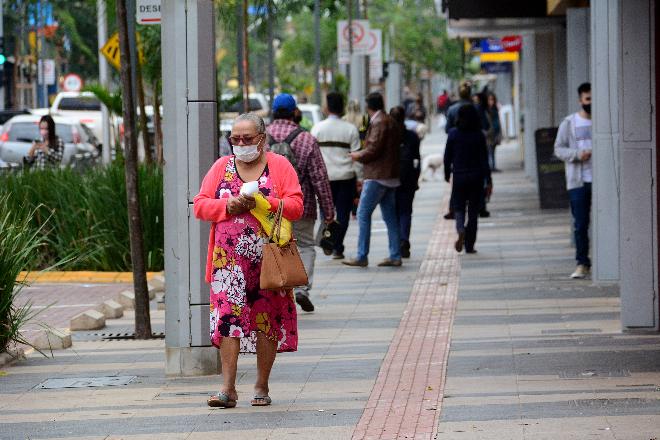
(535,355)
(532,354)
(319,392)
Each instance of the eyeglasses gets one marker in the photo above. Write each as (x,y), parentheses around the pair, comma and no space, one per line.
(245,140)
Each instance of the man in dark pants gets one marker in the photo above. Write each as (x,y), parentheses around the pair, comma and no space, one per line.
(337,138)
(573,146)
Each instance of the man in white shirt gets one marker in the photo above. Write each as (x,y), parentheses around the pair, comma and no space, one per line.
(573,146)
(337,138)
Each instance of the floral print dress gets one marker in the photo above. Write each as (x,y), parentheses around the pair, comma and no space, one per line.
(239,309)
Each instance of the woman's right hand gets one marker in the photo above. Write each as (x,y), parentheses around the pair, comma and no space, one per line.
(239,205)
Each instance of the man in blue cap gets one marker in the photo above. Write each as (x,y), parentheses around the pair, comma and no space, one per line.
(313,178)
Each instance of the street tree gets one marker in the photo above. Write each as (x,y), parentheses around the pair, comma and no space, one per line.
(142,318)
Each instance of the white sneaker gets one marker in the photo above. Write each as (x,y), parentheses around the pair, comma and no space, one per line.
(581,272)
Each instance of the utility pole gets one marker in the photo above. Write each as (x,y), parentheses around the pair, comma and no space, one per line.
(317,51)
(2,67)
(102,25)
(271,56)
(246,60)
(42,42)
(142,316)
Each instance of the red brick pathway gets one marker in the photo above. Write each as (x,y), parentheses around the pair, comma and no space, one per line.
(407,397)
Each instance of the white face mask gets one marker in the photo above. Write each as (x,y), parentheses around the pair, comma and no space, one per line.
(247,153)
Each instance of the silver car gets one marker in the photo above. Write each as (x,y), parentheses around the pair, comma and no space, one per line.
(20,131)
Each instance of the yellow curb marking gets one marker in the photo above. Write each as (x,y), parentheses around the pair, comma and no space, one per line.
(80,277)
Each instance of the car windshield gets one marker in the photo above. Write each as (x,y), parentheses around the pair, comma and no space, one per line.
(231,106)
(29,131)
(82,103)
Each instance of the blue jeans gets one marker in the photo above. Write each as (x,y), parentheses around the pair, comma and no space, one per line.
(580,199)
(373,194)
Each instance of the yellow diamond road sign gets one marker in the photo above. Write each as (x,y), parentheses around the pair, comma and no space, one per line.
(111,50)
(112,53)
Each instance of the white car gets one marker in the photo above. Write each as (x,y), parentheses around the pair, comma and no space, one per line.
(20,131)
(312,113)
(82,106)
(231,106)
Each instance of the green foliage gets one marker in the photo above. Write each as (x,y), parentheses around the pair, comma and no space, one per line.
(19,242)
(418,36)
(112,100)
(88,215)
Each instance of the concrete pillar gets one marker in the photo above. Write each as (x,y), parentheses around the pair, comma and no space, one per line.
(637,121)
(578,57)
(190,148)
(605,62)
(559,77)
(358,87)
(529,102)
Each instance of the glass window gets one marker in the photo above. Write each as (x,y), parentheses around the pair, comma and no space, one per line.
(83,103)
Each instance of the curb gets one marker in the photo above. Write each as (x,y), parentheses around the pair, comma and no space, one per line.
(82,277)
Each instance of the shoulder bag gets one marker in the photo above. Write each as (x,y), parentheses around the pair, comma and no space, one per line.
(281,266)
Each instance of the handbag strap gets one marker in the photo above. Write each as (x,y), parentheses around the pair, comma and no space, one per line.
(277,225)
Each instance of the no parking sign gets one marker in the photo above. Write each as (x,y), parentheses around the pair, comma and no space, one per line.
(72,83)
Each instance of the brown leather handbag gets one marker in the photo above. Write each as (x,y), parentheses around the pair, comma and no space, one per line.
(281,266)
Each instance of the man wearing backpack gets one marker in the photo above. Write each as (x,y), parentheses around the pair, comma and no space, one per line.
(290,140)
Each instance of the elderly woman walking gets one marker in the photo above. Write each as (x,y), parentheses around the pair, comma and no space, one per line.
(245,318)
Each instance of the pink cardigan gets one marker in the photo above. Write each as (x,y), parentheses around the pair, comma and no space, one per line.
(208,208)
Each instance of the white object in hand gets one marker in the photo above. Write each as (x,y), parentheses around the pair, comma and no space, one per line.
(249,188)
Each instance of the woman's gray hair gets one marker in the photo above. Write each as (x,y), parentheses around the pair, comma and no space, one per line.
(257,120)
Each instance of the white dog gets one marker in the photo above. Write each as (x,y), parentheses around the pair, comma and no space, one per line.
(431,164)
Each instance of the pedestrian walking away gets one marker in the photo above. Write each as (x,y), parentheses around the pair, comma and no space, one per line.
(46,152)
(313,178)
(380,158)
(409,159)
(336,138)
(573,146)
(243,317)
(466,165)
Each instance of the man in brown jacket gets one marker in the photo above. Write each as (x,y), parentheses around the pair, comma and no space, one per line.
(380,159)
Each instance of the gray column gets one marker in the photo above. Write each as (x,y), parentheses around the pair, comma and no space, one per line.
(605,95)
(578,57)
(638,219)
(559,77)
(190,148)
(529,93)
(358,87)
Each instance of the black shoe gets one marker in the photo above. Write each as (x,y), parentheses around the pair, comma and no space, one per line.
(458,244)
(405,249)
(337,255)
(495,170)
(304,302)
(450,215)
(470,250)
(484,213)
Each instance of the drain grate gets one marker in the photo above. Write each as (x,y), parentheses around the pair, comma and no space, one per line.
(85,382)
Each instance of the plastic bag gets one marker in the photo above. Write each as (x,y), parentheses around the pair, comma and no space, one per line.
(266,217)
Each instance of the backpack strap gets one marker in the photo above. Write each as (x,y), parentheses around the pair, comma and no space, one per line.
(294,134)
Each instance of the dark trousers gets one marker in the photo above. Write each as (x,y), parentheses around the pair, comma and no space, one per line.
(467,200)
(580,199)
(343,193)
(404,207)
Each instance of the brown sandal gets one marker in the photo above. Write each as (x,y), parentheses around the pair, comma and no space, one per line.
(221,400)
(261,401)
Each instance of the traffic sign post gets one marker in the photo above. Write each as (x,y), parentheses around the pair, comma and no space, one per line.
(360,34)
(72,83)
(147,12)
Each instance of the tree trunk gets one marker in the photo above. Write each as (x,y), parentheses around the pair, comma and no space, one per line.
(148,158)
(158,125)
(246,60)
(142,319)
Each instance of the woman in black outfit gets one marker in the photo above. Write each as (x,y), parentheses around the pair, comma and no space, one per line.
(409,160)
(466,157)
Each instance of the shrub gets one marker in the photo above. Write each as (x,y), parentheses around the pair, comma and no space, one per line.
(88,227)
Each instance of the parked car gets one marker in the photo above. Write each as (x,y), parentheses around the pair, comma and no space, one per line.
(82,106)
(6,115)
(20,131)
(232,105)
(312,113)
